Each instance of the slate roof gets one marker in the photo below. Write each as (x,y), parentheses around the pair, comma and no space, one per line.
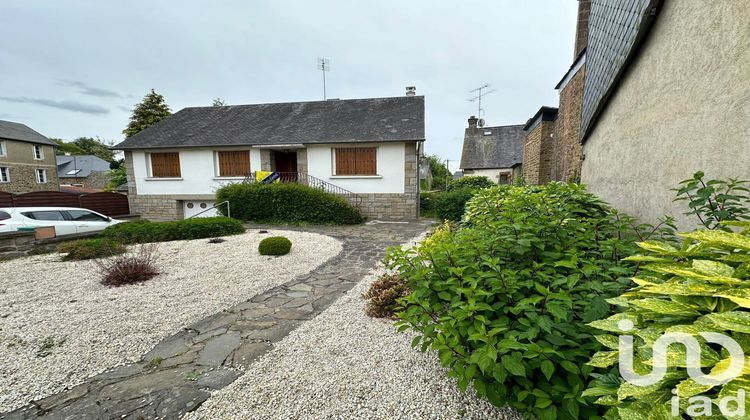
(85,164)
(616,30)
(493,147)
(333,121)
(17,131)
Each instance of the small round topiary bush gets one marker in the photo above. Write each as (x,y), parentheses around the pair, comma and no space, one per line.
(275,245)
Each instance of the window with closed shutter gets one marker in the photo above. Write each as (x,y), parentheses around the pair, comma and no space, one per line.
(356,161)
(165,165)
(234,163)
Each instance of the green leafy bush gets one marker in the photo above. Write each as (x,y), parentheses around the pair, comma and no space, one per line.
(383,296)
(287,202)
(715,201)
(505,298)
(275,245)
(85,249)
(141,231)
(449,205)
(471,182)
(701,286)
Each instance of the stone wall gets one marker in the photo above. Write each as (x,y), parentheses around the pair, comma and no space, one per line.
(582,26)
(23,179)
(538,152)
(389,206)
(682,106)
(95,180)
(568,151)
(21,244)
(156,207)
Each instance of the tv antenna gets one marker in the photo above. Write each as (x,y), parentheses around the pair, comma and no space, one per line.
(481,92)
(324,65)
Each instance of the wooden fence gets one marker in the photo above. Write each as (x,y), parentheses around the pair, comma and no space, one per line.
(107,203)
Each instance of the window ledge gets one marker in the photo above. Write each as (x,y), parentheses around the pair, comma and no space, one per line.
(355,177)
(164,179)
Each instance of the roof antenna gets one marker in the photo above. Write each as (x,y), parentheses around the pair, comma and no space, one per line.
(478,99)
(324,65)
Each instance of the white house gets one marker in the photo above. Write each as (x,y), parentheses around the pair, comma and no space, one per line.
(369,147)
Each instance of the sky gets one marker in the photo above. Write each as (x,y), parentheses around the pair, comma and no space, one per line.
(76,68)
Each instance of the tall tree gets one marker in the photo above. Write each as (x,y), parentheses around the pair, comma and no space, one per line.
(219,102)
(150,111)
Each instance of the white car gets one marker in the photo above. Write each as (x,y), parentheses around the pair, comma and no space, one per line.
(66,220)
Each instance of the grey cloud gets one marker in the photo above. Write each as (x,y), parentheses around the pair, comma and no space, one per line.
(66,105)
(89,90)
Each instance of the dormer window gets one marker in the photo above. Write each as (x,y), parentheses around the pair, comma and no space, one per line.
(38,153)
(487,133)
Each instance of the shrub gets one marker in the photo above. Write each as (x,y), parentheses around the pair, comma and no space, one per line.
(715,201)
(86,249)
(275,245)
(130,268)
(287,202)
(384,294)
(471,182)
(701,286)
(450,205)
(505,299)
(142,231)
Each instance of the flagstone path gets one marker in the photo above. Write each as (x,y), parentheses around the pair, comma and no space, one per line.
(178,374)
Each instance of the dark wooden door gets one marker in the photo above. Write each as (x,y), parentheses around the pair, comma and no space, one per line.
(286,164)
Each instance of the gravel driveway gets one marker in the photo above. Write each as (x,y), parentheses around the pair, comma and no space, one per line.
(345,365)
(59,326)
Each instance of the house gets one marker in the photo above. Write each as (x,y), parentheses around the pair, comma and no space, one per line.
(369,147)
(552,149)
(494,152)
(27,160)
(84,171)
(664,97)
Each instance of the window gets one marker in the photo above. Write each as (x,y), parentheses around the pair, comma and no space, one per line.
(235,163)
(2,148)
(85,216)
(38,153)
(41,176)
(165,165)
(45,215)
(72,172)
(356,161)
(4,174)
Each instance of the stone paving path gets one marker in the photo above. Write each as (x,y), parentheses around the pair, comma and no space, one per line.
(178,374)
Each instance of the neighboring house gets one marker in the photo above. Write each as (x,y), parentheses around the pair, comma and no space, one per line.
(27,160)
(664,97)
(85,171)
(367,146)
(494,152)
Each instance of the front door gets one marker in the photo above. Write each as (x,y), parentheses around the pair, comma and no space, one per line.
(285,163)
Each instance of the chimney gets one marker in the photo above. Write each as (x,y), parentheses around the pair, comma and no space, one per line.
(582,27)
(473,124)
(411,90)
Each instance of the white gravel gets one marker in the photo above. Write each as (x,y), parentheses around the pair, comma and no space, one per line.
(345,365)
(94,327)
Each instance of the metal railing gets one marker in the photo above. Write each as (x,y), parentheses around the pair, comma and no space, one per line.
(309,180)
(215,206)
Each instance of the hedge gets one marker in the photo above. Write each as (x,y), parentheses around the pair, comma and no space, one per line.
(86,249)
(287,203)
(141,231)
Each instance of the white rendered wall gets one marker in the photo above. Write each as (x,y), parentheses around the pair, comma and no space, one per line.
(390,168)
(198,169)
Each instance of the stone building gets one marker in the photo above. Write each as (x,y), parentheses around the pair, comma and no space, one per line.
(84,171)
(667,93)
(366,147)
(27,160)
(493,152)
(558,157)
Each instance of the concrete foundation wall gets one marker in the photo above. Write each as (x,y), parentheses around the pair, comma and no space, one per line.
(683,106)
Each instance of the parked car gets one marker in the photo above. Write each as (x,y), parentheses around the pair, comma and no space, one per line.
(66,220)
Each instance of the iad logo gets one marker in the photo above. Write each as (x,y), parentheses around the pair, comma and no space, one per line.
(699,405)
